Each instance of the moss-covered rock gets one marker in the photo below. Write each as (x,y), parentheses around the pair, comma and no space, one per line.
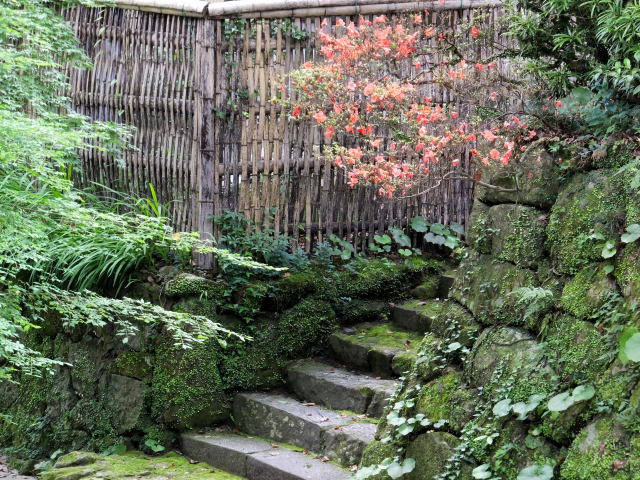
(137,365)
(447,398)
(428,288)
(351,311)
(81,465)
(430,361)
(199,305)
(485,287)
(305,327)
(535,178)
(587,292)
(431,451)
(517,234)
(627,271)
(187,386)
(603,451)
(509,359)
(186,284)
(480,231)
(591,202)
(576,349)
(444,318)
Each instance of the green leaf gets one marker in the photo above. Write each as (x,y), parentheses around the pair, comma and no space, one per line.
(633,233)
(502,408)
(583,392)
(522,409)
(400,237)
(482,472)
(626,334)
(419,224)
(382,239)
(439,229)
(457,228)
(607,269)
(405,252)
(560,402)
(408,465)
(536,472)
(632,347)
(405,429)
(609,249)
(395,470)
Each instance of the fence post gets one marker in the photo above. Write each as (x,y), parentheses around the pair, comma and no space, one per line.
(204,138)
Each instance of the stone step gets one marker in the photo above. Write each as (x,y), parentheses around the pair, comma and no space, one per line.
(381,348)
(439,317)
(338,389)
(340,436)
(257,459)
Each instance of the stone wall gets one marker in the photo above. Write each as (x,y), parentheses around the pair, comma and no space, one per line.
(550,309)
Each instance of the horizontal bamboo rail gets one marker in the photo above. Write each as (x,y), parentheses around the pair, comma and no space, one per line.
(294,8)
(198,91)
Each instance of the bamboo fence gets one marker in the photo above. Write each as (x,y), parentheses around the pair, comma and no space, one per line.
(195,79)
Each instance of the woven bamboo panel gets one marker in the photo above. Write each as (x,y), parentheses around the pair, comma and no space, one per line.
(208,136)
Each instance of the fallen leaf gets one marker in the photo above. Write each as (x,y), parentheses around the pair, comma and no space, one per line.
(324,459)
(309,404)
(617,465)
(273,445)
(193,462)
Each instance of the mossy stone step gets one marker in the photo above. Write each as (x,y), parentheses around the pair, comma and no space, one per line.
(341,436)
(381,348)
(256,459)
(339,389)
(438,317)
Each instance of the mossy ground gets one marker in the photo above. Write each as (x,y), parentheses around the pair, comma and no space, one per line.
(133,465)
(386,336)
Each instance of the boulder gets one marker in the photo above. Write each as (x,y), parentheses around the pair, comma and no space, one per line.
(478,234)
(627,271)
(485,287)
(447,398)
(431,451)
(576,349)
(603,450)
(587,292)
(509,357)
(517,234)
(535,177)
(592,202)
(126,398)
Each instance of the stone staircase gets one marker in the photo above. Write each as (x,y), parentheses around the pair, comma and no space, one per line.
(318,428)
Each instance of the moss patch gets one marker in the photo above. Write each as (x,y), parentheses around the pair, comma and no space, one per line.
(186,284)
(585,293)
(594,201)
(602,451)
(187,387)
(518,234)
(485,287)
(134,465)
(447,398)
(576,349)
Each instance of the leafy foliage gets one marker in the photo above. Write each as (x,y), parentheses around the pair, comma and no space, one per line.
(59,245)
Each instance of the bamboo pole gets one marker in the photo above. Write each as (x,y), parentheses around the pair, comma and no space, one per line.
(294,8)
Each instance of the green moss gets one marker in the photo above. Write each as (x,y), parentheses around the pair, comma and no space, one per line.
(185,284)
(480,231)
(590,202)
(428,288)
(576,349)
(187,387)
(137,465)
(198,305)
(305,327)
(627,270)
(585,293)
(352,311)
(447,319)
(596,452)
(485,287)
(430,360)
(254,365)
(376,452)
(133,364)
(517,234)
(447,398)
(292,288)
(385,335)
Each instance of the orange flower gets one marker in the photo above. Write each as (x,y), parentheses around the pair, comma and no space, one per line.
(495,154)
(489,135)
(475,32)
(329,132)
(320,117)
(296,111)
